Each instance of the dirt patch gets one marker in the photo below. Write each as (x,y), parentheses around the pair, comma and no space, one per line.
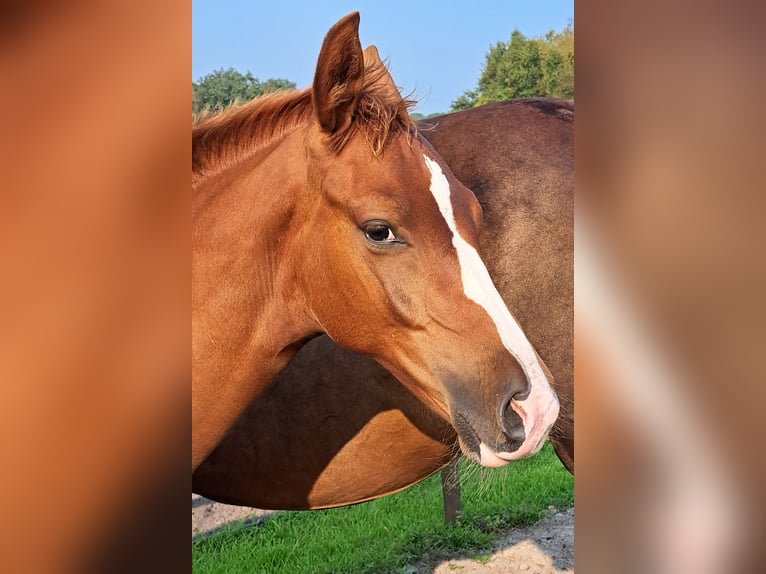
(543,548)
(209,516)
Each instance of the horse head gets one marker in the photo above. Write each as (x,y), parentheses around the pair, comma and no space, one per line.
(390,265)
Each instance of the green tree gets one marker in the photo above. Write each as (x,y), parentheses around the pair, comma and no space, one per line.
(552,72)
(417,116)
(465,101)
(559,74)
(525,67)
(222,88)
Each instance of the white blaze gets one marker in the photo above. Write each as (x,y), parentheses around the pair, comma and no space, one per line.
(541,406)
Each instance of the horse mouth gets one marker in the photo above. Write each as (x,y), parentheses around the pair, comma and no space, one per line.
(467,438)
(473,447)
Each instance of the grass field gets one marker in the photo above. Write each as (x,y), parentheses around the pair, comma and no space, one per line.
(387,534)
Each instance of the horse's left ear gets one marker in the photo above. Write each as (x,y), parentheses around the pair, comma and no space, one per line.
(375,67)
(339,76)
(377,75)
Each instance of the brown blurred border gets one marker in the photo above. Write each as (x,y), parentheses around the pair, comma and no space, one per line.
(669,169)
(94,292)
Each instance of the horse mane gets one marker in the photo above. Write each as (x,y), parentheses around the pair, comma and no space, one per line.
(227,138)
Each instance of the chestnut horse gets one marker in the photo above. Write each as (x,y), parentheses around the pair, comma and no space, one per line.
(353,432)
(323,211)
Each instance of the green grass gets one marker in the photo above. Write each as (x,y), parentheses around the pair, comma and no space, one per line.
(385,535)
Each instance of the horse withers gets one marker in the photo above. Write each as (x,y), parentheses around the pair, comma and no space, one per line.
(354,432)
(323,211)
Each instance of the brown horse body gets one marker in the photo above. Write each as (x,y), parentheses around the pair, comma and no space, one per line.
(323,211)
(335,428)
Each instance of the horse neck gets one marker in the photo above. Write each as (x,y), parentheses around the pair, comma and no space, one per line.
(248,316)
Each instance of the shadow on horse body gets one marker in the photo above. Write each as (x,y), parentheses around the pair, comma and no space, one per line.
(336,428)
(323,211)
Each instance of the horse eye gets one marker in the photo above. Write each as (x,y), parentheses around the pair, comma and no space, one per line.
(378,232)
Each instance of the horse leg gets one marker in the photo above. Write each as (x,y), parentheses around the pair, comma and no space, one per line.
(451,492)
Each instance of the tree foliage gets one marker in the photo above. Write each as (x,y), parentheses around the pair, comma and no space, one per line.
(416,116)
(225,87)
(525,67)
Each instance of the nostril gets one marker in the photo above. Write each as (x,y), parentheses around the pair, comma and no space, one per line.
(511,421)
(520,389)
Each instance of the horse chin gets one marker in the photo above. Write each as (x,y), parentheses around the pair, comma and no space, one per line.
(489,458)
(481,454)
(475,449)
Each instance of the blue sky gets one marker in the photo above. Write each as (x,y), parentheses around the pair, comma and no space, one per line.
(436,48)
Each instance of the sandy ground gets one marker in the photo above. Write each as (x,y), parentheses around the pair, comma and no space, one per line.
(208,516)
(543,548)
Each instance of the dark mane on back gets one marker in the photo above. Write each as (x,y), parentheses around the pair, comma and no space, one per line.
(225,139)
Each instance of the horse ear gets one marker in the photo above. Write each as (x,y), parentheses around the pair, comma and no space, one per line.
(377,75)
(339,76)
(375,67)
